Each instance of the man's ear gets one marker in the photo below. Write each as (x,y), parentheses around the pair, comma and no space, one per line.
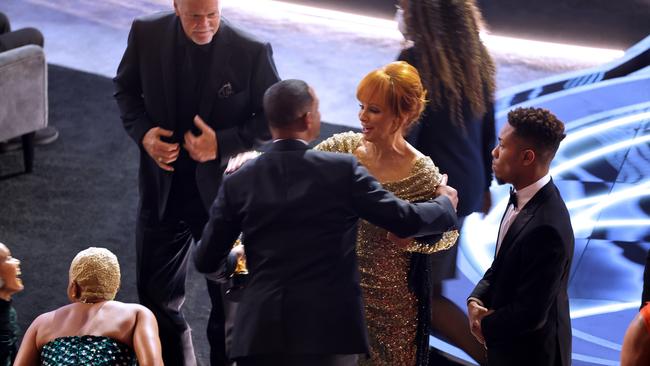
(529,157)
(306,121)
(74,292)
(176,9)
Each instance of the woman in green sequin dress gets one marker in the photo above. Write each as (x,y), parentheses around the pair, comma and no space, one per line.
(10,284)
(93,329)
(394,281)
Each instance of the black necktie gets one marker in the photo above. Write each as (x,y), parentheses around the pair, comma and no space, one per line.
(513,198)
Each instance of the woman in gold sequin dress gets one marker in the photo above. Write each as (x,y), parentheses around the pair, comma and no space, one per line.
(394,281)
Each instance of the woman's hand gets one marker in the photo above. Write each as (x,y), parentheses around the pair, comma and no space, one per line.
(238,160)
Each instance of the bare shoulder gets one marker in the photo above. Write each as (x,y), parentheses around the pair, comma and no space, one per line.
(130,308)
(126,306)
(416,153)
(43,320)
(45,326)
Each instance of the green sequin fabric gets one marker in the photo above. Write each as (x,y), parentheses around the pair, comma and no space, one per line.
(87,350)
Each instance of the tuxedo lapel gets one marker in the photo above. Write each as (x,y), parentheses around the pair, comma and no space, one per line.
(168,65)
(523,218)
(215,79)
(517,225)
(499,232)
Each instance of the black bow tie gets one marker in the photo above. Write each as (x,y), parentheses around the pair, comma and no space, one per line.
(513,198)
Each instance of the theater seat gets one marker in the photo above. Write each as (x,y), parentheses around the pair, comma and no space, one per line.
(23,97)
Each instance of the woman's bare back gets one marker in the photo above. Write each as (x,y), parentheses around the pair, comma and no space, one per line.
(112,319)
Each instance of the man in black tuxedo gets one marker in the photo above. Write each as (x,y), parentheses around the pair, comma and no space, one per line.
(520,309)
(297,210)
(189,89)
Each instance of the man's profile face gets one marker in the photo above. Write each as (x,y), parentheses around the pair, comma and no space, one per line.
(507,156)
(200,19)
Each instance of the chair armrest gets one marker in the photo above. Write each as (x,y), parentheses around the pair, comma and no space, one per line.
(23,91)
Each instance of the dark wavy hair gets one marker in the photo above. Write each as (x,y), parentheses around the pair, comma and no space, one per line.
(455,66)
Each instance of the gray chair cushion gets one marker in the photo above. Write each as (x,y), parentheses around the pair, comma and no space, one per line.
(23,91)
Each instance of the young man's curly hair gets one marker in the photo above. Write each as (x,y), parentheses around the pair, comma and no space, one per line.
(539,127)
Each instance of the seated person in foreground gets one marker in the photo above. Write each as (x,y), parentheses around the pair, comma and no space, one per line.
(93,329)
(636,344)
(9,285)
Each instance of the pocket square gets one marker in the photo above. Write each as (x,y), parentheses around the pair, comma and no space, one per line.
(225,91)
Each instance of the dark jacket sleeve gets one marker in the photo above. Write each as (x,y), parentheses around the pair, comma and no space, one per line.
(219,234)
(482,289)
(381,208)
(488,140)
(128,90)
(544,259)
(253,131)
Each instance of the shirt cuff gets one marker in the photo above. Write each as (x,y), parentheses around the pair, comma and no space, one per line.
(477,300)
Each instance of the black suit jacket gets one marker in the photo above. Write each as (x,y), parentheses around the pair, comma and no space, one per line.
(241,70)
(527,287)
(297,210)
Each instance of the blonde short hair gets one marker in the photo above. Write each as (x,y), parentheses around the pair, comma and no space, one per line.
(97,273)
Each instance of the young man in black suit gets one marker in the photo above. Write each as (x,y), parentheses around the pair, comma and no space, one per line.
(520,309)
(189,89)
(297,210)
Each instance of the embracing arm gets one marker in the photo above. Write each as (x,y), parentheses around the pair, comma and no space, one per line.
(146,343)
(544,263)
(254,130)
(382,208)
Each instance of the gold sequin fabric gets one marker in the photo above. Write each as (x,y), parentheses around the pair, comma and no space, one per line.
(391,309)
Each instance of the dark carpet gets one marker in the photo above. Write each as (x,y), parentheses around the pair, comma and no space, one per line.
(82,192)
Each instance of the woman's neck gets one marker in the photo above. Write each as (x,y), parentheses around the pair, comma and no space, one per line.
(390,149)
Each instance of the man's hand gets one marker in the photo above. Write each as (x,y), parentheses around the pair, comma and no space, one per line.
(203,147)
(445,190)
(235,162)
(476,313)
(161,152)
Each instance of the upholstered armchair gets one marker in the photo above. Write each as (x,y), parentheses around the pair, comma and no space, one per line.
(23,97)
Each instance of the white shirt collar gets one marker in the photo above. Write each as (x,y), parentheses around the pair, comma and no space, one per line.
(525,194)
(301,140)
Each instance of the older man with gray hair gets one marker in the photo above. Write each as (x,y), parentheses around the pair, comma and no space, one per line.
(189,89)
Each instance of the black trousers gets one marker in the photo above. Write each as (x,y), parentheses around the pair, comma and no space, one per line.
(298,360)
(163,251)
(10,40)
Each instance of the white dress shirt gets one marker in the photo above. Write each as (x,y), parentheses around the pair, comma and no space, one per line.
(523,196)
